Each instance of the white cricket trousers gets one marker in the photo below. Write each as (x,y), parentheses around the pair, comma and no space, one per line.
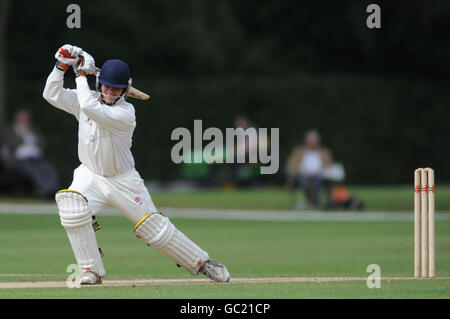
(126,192)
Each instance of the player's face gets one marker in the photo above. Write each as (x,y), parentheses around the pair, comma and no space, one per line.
(111,94)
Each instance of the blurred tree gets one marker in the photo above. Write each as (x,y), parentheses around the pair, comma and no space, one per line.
(4,10)
(288,64)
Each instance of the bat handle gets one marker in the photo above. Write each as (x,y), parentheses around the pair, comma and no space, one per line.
(96,72)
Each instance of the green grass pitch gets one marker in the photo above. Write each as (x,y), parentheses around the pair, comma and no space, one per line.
(375,198)
(35,248)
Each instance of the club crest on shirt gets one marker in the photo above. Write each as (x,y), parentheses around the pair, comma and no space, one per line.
(138,200)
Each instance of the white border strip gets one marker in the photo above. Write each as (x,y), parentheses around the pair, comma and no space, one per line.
(232,214)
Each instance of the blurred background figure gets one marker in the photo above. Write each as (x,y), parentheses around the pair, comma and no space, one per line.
(341,198)
(23,156)
(307,167)
(245,174)
(229,175)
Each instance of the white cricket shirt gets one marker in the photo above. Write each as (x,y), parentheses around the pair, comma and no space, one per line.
(311,163)
(104,132)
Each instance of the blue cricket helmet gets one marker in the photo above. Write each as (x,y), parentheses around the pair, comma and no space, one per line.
(115,73)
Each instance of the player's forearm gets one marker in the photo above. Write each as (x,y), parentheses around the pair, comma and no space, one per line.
(53,86)
(86,99)
(59,97)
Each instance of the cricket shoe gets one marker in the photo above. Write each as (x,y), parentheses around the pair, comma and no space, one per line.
(215,271)
(90,278)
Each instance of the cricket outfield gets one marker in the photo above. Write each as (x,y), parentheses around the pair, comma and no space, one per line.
(292,255)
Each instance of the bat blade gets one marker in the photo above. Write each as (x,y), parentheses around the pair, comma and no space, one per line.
(135,93)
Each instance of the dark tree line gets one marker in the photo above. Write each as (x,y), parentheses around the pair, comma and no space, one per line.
(380,98)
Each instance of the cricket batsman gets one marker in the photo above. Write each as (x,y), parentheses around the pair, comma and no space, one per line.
(106,176)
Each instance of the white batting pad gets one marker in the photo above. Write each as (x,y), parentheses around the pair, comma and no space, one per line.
(158,231)
(77,220)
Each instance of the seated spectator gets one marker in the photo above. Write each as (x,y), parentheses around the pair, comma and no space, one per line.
(245,174)
(23,154)
(306,165)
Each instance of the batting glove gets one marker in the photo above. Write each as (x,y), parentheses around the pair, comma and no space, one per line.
(66,56)
(85,66)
